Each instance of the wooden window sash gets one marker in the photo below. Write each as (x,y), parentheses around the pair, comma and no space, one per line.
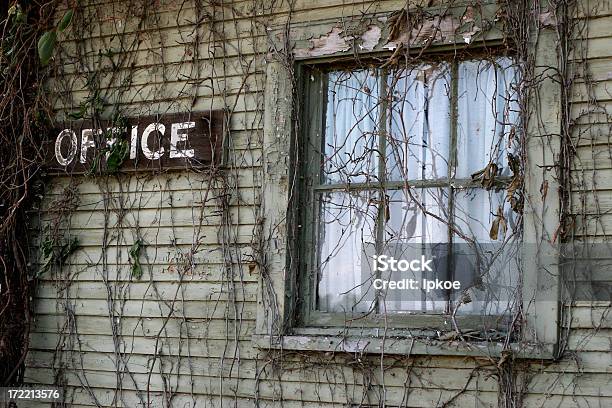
(309,313)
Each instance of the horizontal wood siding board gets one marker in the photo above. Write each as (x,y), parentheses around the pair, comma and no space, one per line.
(301,389)
(152,308)
(174,327)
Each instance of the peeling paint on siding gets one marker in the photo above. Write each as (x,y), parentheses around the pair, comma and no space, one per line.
(330,43)
(370,38)
(435,29)
(548,19)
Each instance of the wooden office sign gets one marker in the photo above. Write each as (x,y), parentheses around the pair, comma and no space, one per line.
(173,141)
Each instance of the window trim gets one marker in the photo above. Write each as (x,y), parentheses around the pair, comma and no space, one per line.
(275,311)
(377,343)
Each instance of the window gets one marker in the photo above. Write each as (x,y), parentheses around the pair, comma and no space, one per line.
(415,161)
(361,159)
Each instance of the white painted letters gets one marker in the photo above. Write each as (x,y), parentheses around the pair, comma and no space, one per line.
(134,142)
(87,141)
(176,137)
(170,139)
(159,127)
(74,143)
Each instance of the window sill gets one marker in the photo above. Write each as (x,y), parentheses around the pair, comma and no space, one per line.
(400,346)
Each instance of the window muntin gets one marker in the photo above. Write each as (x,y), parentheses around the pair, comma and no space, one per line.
(397,149)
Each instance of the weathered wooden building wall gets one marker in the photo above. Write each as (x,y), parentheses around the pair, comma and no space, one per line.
(181,333)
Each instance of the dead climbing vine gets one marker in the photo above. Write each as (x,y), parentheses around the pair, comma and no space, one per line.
(154,276)
(24,118)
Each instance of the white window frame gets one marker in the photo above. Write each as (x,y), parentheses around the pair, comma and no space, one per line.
(276,328)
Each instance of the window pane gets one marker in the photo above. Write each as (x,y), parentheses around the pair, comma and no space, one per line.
(487,114)
(492,281)
(418,217)
(347,225)
(475,211)
(351,127)
(412,216)
(419,118)
(355,226)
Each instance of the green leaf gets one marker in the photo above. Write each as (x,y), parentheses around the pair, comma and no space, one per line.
(117,155)
(79,114)
(135,255)
(20,18)
(54,253)
(65,21)
(16,11)
(135,249)
(68,248)
(46,45)
(47,256)
(137,270)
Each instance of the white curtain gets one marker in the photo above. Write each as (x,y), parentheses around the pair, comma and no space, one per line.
(347,224)
(347,221)
(418,135)
(418,148)
(417,220)
(487,111)
(351,135)
(492,287)
(487,119)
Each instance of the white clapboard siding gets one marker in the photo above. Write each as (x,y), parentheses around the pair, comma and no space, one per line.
(185,326)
